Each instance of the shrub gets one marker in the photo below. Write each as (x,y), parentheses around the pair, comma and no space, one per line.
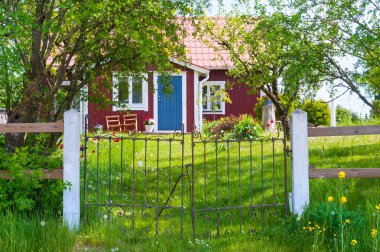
(247,128)
(318,112)
(31,193)
(239,127)
(343,115)
(346,116)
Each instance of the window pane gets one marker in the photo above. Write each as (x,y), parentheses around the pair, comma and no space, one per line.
(204,97)
(123,89)
(137,93)
(215,97)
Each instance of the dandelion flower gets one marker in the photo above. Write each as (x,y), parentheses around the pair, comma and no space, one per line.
(374,232)
(378,207)
(105,216)
(343,199)
(342,175)
(348,221)
(354,242)
(330,198)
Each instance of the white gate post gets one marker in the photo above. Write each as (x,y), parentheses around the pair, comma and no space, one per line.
(71,165)
(300,161)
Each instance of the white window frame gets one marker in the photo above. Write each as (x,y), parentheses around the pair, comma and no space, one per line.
(130,105)
(222,85)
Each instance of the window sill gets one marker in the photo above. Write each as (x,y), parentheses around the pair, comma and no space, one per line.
(131,107)
(213,113)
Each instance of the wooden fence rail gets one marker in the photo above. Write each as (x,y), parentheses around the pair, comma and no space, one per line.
(302,171)
(52,127)
(71,160)
(344,131)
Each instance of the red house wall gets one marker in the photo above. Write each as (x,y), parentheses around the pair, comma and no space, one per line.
(190,99)
(242,102)
(97,114)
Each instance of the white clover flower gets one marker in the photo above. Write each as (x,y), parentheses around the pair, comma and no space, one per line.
(105,216)
(332,213)
(43,223)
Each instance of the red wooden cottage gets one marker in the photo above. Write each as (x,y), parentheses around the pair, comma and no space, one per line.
(191,91)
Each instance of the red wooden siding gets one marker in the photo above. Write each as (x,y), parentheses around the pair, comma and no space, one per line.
(242,102)
(190,99)
(97,115)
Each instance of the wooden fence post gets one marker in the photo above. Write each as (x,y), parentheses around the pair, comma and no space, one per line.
(71,165)
(300,161)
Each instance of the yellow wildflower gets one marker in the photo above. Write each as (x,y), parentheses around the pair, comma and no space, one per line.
(374,232)
(342,175)
(354,242)
(343,199)
(330,198)
(347,221)
(378,207)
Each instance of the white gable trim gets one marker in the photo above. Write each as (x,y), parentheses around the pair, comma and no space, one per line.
(190,66)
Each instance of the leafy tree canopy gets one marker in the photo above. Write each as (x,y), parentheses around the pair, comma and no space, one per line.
(52,40)
(44,42)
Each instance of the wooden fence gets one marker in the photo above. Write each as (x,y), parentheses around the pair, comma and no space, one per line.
(70,173)
(55,127)
(314,172)
(301,169)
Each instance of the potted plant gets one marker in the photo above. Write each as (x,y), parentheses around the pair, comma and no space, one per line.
(149,124)
(98,129)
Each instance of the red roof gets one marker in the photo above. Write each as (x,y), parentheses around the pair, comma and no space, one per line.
(200,53)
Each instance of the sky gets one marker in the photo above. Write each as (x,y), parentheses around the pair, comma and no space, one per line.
(348,100)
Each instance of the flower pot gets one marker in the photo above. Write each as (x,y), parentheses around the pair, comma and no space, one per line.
(149,128)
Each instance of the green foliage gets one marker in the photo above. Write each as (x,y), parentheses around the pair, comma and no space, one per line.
(318,112)
(248,128)
(353,37)
(218,128)
(269,54)
(30,192)
(233,127)
(48,42)
(288,103)
(346,116)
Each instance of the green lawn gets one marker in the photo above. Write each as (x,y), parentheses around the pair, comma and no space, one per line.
(234,183)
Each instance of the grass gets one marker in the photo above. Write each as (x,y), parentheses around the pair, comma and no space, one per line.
(134,179)
(233,183)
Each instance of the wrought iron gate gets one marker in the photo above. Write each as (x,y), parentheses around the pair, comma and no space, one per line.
(183,184)
(237,186)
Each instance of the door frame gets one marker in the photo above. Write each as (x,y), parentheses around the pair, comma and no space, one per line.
(183,74)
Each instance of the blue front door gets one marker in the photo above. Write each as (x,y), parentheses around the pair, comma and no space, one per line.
(170,103)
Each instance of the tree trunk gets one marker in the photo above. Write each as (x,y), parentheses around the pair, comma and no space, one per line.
(26,111)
